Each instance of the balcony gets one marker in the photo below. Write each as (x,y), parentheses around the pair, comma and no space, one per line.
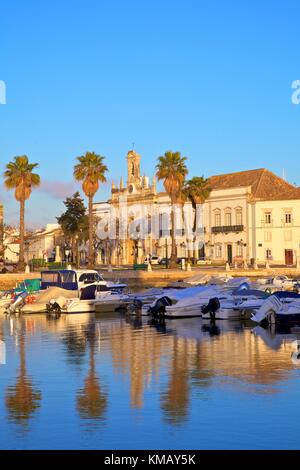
(228,229)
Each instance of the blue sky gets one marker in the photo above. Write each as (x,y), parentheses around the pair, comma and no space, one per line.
(211,79)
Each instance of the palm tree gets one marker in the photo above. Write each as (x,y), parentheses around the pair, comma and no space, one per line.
(172,170)
(197,190)
(20,177)
(90,171)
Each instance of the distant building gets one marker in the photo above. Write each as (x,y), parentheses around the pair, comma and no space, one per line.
(11,244)
(249,216)
(1,232)
(44,244)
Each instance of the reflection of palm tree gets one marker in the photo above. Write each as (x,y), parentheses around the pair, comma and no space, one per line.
(75,345)
(22,400)
(91,401)
(200,375)
(176,400)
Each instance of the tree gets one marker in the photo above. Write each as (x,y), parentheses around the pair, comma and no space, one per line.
(172,170)
(90,170)
(197,190)
(20,177)
(74,223)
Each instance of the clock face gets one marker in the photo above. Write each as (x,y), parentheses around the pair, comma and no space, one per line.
(131,188)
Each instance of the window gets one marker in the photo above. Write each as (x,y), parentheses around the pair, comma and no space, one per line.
(164,225)
(239,250)
(268,218)
(288,218)
(89,277)
(239,217)
(149,224)
(268,236)
(218,251)
(268,254)
(228,219)
(218,219)
(287,235)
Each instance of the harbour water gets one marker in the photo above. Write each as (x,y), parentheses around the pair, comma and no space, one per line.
(116,382)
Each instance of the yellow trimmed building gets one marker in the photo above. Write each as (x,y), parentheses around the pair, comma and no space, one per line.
(250,216)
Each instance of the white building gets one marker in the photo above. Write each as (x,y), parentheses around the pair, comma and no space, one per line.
(249,216)
(44,244)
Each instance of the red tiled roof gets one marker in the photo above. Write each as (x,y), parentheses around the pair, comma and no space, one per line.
(264,184)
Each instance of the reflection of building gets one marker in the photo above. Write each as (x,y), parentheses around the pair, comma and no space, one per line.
(249,215)
(173,367)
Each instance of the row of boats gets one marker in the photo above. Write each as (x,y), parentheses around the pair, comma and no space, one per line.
(270,300)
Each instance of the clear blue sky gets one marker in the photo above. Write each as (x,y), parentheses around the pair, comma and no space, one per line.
(211,79)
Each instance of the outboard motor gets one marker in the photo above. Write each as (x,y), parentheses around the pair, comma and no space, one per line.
(212,307)
(53,307)
(159,309)
(17,304)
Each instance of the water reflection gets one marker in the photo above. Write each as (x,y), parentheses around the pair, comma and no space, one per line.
(22,399)
(91,400)
(177,363)
(175,401)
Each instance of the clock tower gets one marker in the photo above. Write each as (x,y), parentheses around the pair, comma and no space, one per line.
(134,169)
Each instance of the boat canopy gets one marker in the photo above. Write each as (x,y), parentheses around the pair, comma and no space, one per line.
(65,279)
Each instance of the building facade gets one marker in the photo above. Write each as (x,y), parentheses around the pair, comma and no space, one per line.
(250,216)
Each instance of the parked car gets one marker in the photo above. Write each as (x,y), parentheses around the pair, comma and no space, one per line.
(155,260)
(164,261)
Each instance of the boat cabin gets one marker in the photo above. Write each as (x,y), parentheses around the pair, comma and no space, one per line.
(70,279)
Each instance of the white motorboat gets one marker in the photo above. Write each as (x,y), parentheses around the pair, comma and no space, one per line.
(191,302)
(280,282)
(239,305)
(101,301)
(179,300)
(282,307)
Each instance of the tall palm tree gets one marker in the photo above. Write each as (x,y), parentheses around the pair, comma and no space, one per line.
(197,190)
(172,170)
(20,177)
(90,170)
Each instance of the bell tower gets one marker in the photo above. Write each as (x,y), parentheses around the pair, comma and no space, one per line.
(133,167)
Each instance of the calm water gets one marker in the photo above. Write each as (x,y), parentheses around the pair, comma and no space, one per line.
(100,382)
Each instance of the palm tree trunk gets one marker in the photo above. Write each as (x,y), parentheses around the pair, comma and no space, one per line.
(21,264)
(91,234)
(173,236)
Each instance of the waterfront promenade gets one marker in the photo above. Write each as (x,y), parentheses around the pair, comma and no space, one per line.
(163,276)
